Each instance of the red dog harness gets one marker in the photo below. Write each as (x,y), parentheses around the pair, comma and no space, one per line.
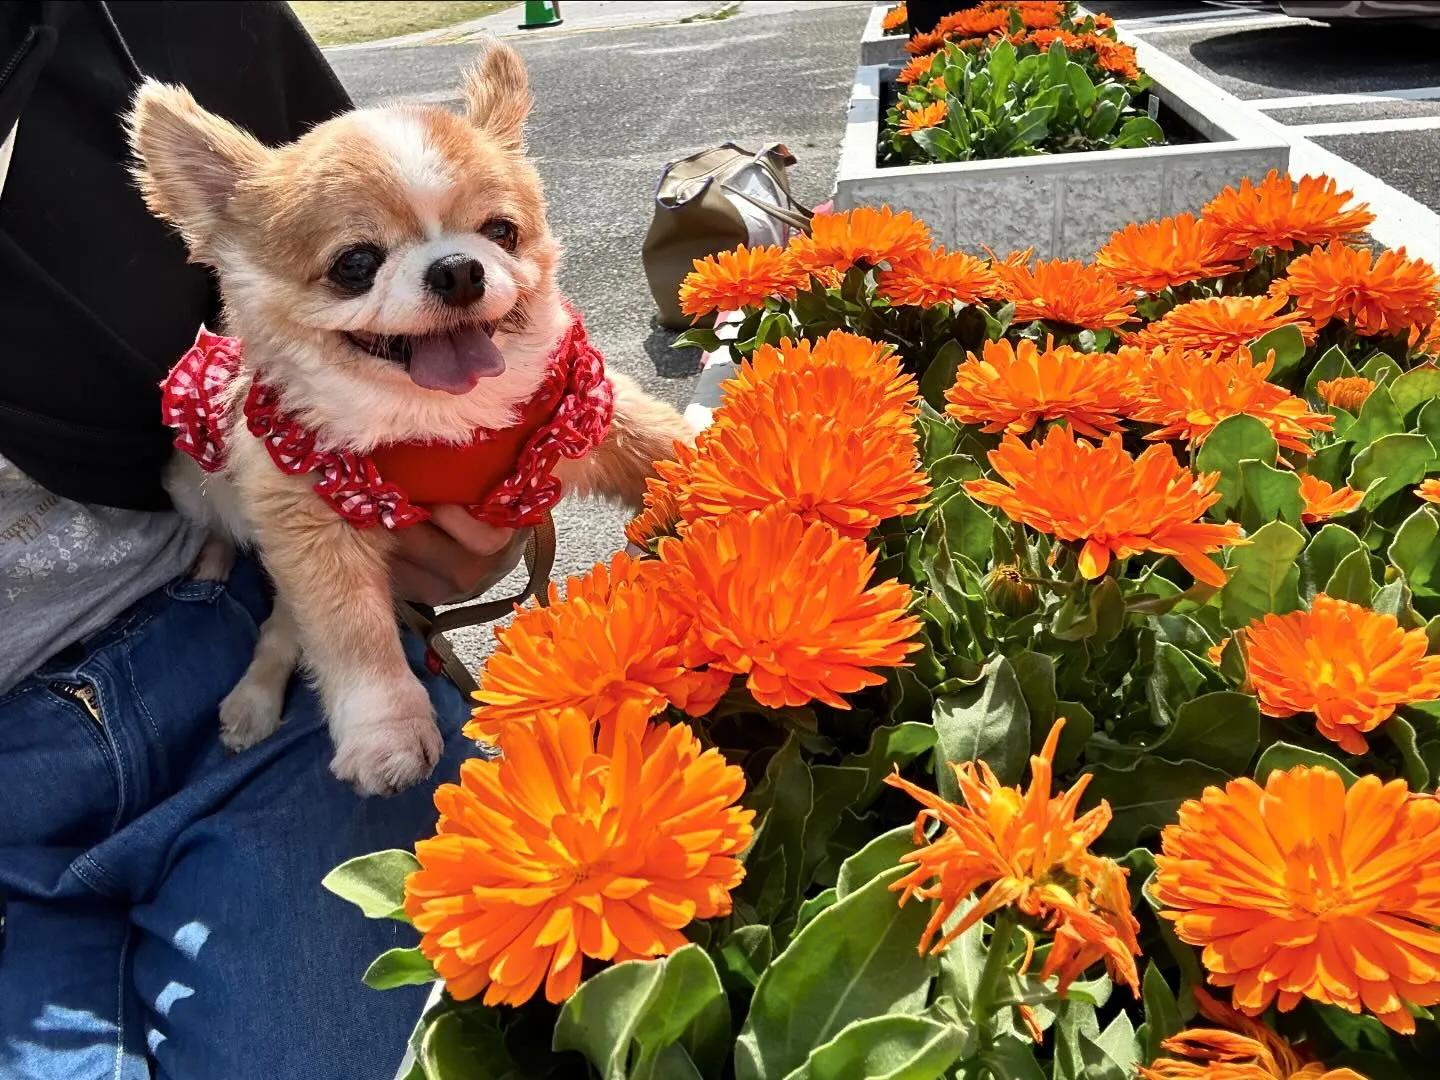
(501,477)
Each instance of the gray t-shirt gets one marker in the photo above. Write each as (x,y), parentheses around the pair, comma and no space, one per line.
(67,569)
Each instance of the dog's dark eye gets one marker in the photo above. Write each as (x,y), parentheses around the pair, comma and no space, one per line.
(356,267)
(501,232)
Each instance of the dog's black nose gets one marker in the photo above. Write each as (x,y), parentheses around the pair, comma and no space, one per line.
(458,280)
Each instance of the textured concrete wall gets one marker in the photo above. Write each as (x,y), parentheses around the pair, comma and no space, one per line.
(876,47)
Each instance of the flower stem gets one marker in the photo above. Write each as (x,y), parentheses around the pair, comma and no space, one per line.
(997,966)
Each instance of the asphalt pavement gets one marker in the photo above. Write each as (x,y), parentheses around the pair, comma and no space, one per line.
(612,106)
(1366,90)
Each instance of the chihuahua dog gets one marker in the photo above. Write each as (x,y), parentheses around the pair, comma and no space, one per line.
(391,279)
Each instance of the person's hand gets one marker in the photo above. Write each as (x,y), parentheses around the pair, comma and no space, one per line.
(452,557)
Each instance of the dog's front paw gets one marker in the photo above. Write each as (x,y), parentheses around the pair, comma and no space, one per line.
(251,712)
(392,748)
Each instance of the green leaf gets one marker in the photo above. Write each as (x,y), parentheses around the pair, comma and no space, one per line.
(890,746)
(1284,756)
(1114,1055)
(1220,729)
(399,967)
(782,803)
(939,376)
(1144,796)
(879,856)
(466,1045)
(1389,465)
(1402,734)
(697,338)
(885,1048)
(1333,365)
(1264,577)
(1173,681)
(1235,439)
(1288,345)
(963,961)
(745,955)
(1081,86)
(1139,131)
(1378,417)
(1075,1024)
(985,722)
(1268,494)
(1380,368)
(813,907)
(1351,580)
(623,1017)
(1415,388)
(968,527)
(1162,1011)
(855,960)
(1102,120)
(374,883)
(1013,1059)
(1415,552)
(1327,549)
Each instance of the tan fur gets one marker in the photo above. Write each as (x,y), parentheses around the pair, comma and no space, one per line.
(417,183)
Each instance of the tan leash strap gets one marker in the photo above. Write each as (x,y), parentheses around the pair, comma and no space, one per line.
(539,561)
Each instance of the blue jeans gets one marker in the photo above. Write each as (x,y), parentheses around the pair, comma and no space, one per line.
(165,914)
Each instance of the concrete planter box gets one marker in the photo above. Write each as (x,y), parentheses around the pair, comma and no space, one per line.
(1063,205)
(878,47)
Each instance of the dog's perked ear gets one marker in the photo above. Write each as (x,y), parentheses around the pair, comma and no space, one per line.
(497,96)
(188,161)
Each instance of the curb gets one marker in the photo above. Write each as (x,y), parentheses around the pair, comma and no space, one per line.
(717,368)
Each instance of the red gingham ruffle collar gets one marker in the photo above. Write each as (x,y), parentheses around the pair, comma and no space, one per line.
(569,415)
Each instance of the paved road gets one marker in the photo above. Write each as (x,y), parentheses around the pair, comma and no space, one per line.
(611,108)
(1347,87)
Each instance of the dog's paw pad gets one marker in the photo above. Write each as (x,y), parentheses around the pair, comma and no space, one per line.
(249,713)
(385,759)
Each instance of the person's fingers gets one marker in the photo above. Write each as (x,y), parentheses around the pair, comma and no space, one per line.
(476,537)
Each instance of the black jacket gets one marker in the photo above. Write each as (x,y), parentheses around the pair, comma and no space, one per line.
(97,299)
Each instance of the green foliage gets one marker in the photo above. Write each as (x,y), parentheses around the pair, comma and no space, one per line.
(1005,101)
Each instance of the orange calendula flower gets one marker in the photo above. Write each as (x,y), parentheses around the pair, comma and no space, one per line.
(1015,387)
(621,640)
(1243,1050)
(1160,254)
(1322,502)
(865,236)
(895,19)
(1390,295)
(568,847)
(790,606)
(1189,395)
(974,22)
(1034,854)
(1302,889)
(823,444)
(1116,505)
(1116,57)
(660,517)
(745,277)
(916,69)
(1277,213)
(1348,665)
(1429,490)
(1347,393)
(1065,292)
(1222,323)
(868,364)
(923,118)
(938,277)
(920,44)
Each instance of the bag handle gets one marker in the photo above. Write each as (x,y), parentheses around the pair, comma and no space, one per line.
(539,560)
(796,216)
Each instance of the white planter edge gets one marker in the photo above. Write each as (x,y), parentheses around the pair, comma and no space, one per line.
(876,46)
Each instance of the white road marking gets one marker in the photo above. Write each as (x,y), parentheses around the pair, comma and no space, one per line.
(1150,29)
(1367,127)
(1310,101)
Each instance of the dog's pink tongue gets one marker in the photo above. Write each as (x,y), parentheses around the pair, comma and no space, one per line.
(455,362)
